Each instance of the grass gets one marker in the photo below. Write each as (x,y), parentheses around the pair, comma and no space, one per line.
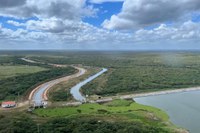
(115,111)
(119,102)
(12,71)
(114,107)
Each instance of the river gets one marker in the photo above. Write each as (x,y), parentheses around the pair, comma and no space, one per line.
(75,91)
(183,108)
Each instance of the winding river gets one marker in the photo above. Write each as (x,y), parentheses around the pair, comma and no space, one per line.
(75,91)
(183,108)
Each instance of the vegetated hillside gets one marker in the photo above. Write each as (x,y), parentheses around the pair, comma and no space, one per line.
(135,71)
(7,71)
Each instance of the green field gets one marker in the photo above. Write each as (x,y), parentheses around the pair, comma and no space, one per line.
(12,71)
(18,78)
(115,111)
(109,108)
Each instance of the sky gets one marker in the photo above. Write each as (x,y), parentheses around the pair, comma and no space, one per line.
(99,24)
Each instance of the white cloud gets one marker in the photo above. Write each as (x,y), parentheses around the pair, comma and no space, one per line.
(68,32)
(15,23)
(59,24)
(50,25)
(64,9)
(102,1)
(11,3)
(187,31)
(141,13)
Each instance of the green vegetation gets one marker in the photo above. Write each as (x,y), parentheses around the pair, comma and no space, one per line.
(109,108)
(61,91)
(119,112)
(12,71)
(11,87)
(12,60)
(119,102)
(131,72)
(11,122)
(89,125)
(118,116)
(17,77)
(148,72)
(25,124)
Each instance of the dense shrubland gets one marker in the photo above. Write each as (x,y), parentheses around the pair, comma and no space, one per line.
(129,71)
(21,84)
(135,71)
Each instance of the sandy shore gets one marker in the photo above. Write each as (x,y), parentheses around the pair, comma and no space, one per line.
(159,93)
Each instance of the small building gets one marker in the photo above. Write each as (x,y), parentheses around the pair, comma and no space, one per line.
(8,104)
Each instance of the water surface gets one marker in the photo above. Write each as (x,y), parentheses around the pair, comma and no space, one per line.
(183,108)
(75,91)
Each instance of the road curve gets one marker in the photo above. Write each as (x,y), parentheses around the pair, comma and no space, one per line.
(39,94)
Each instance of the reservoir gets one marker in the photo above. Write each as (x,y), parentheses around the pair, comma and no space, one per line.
(183,108)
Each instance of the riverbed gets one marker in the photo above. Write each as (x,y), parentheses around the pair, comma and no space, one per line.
(183,108)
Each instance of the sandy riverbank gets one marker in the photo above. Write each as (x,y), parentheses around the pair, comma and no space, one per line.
(130,96)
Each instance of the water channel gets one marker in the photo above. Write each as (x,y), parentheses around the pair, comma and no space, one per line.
(75,91)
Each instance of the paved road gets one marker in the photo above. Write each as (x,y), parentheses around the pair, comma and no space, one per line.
(39,94)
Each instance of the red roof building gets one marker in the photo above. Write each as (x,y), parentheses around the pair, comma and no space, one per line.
(8,104)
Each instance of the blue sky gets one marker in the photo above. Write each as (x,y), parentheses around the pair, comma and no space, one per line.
(106,10)
(100,24)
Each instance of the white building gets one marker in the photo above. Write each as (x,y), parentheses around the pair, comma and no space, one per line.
(8,104)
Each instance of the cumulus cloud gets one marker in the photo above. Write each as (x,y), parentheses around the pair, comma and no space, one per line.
(11,3)
(187,31)
(65,9)
(55,31)
(102,1)
(60,23)
(15,23)
(141,13)
(48,25)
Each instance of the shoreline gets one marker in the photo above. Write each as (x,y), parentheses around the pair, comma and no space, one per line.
(156,93)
